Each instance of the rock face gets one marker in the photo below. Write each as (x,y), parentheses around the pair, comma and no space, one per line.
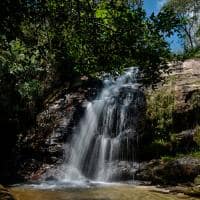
(42,147)
(175,171)
(187,82)
(187,94)
(122,171)
(179,116)
(186,115)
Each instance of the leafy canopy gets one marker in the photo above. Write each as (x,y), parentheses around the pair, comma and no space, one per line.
(43,43)
(188,13)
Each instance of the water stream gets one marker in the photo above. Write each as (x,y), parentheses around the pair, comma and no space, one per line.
(102,137)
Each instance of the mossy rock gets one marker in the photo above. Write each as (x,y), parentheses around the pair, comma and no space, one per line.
(171,171)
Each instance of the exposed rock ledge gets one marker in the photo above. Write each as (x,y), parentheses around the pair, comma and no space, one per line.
(187,82)
(180,170)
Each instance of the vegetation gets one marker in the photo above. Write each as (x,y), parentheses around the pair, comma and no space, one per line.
(171,135)
(188,13)
(192,53)
(165,123)
(160,108)
(44,43)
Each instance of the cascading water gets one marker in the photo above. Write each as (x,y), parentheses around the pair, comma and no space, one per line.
(107,132)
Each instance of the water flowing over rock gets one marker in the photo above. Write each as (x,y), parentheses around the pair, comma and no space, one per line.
(89,132)
(42,147)
(108,132)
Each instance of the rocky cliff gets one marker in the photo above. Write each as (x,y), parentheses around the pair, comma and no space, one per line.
(174,118)
(187,94)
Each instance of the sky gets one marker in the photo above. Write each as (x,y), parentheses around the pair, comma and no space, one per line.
(154,6)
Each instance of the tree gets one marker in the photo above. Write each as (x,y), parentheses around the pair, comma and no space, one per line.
(188,12)
(43,41)
(117,34)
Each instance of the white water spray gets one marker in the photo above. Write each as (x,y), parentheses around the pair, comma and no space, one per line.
(104,130)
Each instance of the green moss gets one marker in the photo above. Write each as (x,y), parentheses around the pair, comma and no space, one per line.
(167,158)
(195,154)
(173,137)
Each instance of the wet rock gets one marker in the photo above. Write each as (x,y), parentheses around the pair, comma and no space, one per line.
(44,143)
(122,171)
(5,194)
(28,167)
(51,178)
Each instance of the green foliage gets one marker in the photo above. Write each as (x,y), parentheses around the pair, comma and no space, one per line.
(161,21)
(188,13)
(30,89)
(160,108)
(42,42)
(92,37)
(194,154)
(190,53)
(22,63)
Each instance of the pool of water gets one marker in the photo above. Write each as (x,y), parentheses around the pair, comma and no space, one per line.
(94,192)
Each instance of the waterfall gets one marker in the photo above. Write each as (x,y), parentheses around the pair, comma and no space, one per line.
(106,133)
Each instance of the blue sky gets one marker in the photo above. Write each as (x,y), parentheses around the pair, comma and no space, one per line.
(154,6)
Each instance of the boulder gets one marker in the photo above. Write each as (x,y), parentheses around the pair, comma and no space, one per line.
(174,171)
(122,171)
